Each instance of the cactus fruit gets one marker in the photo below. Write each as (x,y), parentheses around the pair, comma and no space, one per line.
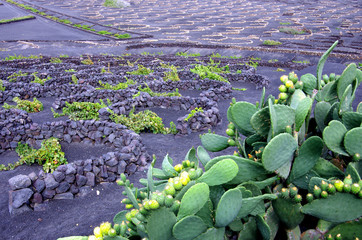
(285,193)
(170,190)
(355,188)
(317,191)
(348,180)
(331,189)
(153,204)
(347,188)
(178,167)
(324,194)
(97,232)
(293,192)
(324,185)
(105,227)
(168,201)
(309,197)
(339,185)
(298,198)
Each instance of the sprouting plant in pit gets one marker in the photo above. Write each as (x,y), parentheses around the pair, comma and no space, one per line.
(193,112)
(26,105)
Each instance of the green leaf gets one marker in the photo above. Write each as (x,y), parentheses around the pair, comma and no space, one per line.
(160,223)
(189,227)
(250,203)
(241,113)
(228,207)
(346,78)
(167,167)
(279,151)
(203,155)
(340,207)
(213,142)
(193,200)
(353,141)
(321,63)
(304,107)
(308,155)
(333,136)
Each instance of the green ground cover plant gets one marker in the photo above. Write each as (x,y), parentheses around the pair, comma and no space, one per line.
(2,87)
(292,30)
(143,121)
(148,90)
(193,112)
(39,80)
(293,175)
(55,60)
(16,57)
(81,110)
(116,87)
(186,54)
(271,43)
(142,70)
(211,71)
(14,76)
(26,105)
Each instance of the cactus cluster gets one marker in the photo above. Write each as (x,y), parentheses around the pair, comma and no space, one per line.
(289,166)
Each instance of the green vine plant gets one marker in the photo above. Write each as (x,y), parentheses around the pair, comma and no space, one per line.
(26,105)
(38,79)
(49,155)
(143,121)
(87,61)
(55,60)
(69,70)
(119,86)
(13,77)
(74,79)
(186,54)
(148,90)
(16,57)
(103,70)
(171,75)
(193,112)
(211,71)
(141,70)
(81,110)
(2,87)
(2,21)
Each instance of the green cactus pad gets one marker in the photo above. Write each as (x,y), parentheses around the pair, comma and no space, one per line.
(249,204)
(346,101)
(359,108)
(241,113)
(351,170)
(333,113)
(261,122)
(263,184)
(308,156)
(189,227)
(297,97)
(333,136)
(324,226)
(250,231)
(347,77)
(213,142)
(352,119)
(74,238)
(193,200)
(303,181)
(293,234)
(279,151)
(191,156)
(114,238)
(328,93)
(158,173)
(281,116)
(322,61)
(204,157)
(248,170)
(263,227)
(167,166)
(216,193)
(353,141)
(316,181)
(309,83)
(160,223)
(253,139)
(228,207)
(304,107)
(272,220)
(212,234)
(320,112)
(339,207)
(182,192)
(349,230)
(311,234)
(236,225)
(221,172)
(206,213)
(120,217)
(326,169)
(288,212)
(144,182)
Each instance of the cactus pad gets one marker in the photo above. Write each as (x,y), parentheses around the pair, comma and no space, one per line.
(352,119)
(228,207)
(160,223)
(297,97)
(263,227)
(261,121)
(304,107)
(241,113)
(191,156)
(309,83)
(213,142)
(193,200)
(320,112)
(333,136)
(281,116)
(326,169)
(212,234)
(250,231)
(279,151)
(339,207)
(189,227)
(288,212)
(220,173)
(349,230)
(353,141)
(206,213)
(120,217)
(308,156)
(249,204)
(204,157)
(311,234)
(322,61)
(347,77)
(346,100)
(248,170)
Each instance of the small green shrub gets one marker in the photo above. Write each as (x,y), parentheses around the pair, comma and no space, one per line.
(81,110)
(271,43)
(13,77)
(74,79)
(15,57)
(116,87)
(186,54)
(148,90)
(39,80)
(49,155)
(87,61)
(2,87)
(293,30)
(69,70)
(55,60)
(211,71)
(25,105)
(193,112)
(141,70)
